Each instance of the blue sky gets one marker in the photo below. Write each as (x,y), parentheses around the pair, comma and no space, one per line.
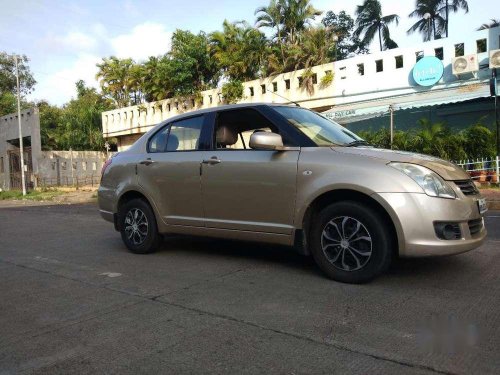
(65,39)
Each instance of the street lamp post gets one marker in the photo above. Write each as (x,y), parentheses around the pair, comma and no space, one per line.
(335,40)
(21,148)
(427,17)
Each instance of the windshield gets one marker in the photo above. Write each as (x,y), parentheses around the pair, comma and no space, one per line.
(319,129)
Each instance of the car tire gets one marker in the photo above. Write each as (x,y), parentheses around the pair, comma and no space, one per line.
(138,227)
(351,242)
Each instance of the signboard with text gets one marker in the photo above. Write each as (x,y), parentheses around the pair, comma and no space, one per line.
(428,71)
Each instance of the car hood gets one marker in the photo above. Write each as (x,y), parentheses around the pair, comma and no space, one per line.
(445,169)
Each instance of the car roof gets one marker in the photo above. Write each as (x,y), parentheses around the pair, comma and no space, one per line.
(223,108)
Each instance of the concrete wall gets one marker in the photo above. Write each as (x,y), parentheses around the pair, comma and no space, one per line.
(9,133)
(60,167)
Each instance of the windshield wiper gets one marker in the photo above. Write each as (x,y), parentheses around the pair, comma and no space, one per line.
(358,142)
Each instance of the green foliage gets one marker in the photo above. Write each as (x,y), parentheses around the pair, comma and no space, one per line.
(77,125)
(232,91)
(342,26)
(432,26)
(31,195)
(370,22)
(239,50)
(327,79)
(8,83)
(436,139)
(480,142)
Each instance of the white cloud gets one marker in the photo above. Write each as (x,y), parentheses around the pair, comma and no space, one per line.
(147,39)
(79,40)
(59,87)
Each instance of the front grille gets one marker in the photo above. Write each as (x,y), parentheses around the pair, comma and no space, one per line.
(475,226)
(467,187)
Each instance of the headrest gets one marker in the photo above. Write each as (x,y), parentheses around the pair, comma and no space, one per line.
(226,136)
(173,142)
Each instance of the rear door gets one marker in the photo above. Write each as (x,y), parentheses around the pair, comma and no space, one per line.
(170,171)
(245,189)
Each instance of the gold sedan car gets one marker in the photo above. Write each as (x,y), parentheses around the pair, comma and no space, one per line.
(287,175)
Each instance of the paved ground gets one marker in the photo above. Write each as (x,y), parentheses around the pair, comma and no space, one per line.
(73,300)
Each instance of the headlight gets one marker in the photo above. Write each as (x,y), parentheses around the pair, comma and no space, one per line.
(432,184)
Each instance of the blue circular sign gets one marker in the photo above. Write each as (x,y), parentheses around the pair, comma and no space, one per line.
(428,71)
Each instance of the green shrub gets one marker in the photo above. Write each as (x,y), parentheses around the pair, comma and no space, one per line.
(436,139)
(232,91)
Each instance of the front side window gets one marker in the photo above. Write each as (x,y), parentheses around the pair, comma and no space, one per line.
(183,135)
(322,131)
(234,128)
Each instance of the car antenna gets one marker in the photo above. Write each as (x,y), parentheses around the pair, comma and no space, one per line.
(282,97)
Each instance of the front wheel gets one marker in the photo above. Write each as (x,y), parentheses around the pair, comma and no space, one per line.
(138,227)
(350,242)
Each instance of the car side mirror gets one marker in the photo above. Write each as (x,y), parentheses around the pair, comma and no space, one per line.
(266,141)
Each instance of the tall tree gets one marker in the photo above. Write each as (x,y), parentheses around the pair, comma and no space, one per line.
(494,23)
(288,17)
(370,21)
(116,80)
(454,6)
(430,22)
(189,65)
(342,27)
(8,84)
(239,50)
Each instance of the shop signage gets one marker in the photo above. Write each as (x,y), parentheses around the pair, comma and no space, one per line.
(428,71)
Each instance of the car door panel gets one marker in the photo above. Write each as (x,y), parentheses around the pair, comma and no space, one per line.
(250,190)
(173,182)
(170,172)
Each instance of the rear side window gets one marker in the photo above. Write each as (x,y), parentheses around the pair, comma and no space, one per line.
(159,141)
(183,135)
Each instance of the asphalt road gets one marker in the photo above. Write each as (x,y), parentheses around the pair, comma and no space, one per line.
(73,300)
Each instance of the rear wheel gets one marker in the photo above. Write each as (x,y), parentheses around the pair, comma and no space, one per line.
(350,242)
(138,227)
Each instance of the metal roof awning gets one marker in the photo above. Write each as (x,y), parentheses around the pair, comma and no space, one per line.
(358,111)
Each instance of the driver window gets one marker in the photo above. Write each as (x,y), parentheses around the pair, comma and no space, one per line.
(234,128)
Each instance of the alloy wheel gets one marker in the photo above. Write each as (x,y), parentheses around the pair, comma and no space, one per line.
(346,243)
(136,226)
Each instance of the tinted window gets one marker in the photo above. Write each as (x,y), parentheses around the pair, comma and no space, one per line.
(319,129)
(239,125)
(182,135)
(185,134)
(159,141)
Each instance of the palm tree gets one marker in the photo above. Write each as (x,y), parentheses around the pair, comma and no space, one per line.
(239,50)
(370,21)
(115,79)
(492,24)
(454,6)
(430,21)
(288,17)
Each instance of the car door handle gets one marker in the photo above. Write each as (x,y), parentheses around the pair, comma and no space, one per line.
(213,160)
(147,162)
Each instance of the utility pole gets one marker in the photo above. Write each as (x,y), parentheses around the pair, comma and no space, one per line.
(21,148)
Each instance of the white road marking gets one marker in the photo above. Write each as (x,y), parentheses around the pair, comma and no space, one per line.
(111,274)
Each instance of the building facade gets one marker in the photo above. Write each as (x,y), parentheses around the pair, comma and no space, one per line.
(360,92)
(46,168)
(10,164)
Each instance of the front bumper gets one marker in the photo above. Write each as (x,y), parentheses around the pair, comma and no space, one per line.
(414,215)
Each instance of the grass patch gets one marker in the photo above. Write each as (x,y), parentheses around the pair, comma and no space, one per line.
(32,195)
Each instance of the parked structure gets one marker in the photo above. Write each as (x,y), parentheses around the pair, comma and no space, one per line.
(364,92)
(10,164)
(70,167)
(47,168)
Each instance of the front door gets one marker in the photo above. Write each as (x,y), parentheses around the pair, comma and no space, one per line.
(170,172)
(245,189)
